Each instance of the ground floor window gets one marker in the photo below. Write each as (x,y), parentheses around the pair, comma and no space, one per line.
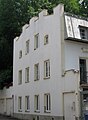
(27,103)
(47,102)
(36,103)
(20,103)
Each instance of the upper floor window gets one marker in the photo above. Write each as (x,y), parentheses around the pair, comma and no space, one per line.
(46,37)
(27,74)
(36,71)
(47,69)
(84,33)
(27,47)
(47,102)
(20,77)
(27,103)
(20,54)
(36,103)
(36,41)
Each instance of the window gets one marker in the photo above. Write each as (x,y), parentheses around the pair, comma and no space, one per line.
(27,74)
(37,118)
(47,103)
(46,68)
(36,41)
(27,46)
(83,33)
(20,54)
(46,39)
(20,104)
(36,72)
(20,77)
(83,71)
(27,103)
(36,103)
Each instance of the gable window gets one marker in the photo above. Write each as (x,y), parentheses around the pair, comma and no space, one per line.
(46,37)
(36,41)
(47,69)
(84,33)
(47,102)
(36,103)
(27,74)
(20,77)
(19,104)
(36,72)
(27,47)
(20,54)
(27,103)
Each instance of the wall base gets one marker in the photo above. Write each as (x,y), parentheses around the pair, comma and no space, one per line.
(36,117)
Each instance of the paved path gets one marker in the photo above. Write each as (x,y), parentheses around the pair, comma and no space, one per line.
(6,118)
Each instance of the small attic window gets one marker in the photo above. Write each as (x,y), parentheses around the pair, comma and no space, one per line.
(83,33)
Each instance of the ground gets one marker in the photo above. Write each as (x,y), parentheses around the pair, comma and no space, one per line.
(6,118)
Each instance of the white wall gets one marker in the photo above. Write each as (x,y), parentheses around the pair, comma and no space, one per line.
(74,51)
(44,25)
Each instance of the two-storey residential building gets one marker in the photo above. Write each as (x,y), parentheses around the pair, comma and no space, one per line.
(50,68)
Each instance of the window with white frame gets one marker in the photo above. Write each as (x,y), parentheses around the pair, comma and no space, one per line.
(46,37)
(27,47)
(27,74)
(20,77)
(36,72)
(20,54)
(20,104)
(83,33)
(47,102)
(47,69)
(36,103)
(36,41)
(27,103)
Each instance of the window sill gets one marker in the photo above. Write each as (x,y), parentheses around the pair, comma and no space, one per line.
(27,110)
(45,43)
(35,48)
(20,57)
(19,83)
(37,111)
(20,110)
(26,53)
(47,77)
(36,79)
(26,81)
(47,111)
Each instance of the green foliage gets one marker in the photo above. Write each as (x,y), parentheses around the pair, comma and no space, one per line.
(13,15)
(84,8)
(5,77)
(71,6)
(36,6)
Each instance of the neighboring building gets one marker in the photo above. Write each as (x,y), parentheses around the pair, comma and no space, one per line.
(50,80)
(6,101)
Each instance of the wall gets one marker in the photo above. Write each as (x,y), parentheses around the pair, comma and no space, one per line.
(6,101)
(43,25)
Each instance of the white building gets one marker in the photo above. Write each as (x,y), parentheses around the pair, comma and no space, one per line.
(50,68)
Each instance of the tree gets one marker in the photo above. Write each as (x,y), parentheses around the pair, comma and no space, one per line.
(71,6)
(13,15)
(84,8)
